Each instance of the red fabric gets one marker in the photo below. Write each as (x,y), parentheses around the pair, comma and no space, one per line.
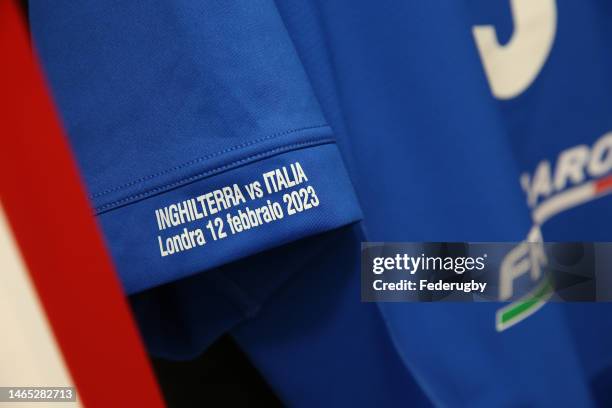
(57,234)
(603,184)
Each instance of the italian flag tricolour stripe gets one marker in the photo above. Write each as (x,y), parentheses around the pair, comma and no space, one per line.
(64,318)
(572,197)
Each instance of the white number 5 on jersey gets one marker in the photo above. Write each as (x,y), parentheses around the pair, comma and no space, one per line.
(511,68)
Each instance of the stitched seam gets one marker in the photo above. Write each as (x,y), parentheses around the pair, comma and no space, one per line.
(207,157)
(180,182)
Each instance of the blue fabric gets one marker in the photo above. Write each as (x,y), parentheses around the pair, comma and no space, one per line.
(132,231)
(179,100)
(413,113)
(150,93)
(335,344)
(165,101)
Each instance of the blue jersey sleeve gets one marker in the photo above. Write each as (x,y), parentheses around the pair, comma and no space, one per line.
(197,132)
(200,142)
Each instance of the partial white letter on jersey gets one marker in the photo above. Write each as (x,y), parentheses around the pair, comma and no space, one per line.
(511,68)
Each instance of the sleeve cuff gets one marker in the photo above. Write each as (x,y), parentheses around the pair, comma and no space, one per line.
(245,208)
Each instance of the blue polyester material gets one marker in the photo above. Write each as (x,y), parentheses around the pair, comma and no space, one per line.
(163,102)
